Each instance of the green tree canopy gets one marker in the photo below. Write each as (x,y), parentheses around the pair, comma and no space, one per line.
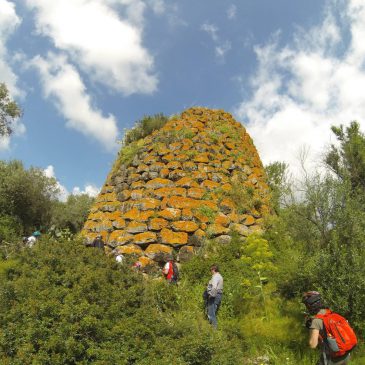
(26,195)
(72,214)
(348,159)
(9,111)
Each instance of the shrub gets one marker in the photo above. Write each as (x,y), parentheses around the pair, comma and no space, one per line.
(144,128)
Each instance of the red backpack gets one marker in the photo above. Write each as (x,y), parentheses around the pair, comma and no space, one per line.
(340,337)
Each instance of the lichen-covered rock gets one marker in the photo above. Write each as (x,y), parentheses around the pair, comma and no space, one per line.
(173,238)
(198,176)
(158,252)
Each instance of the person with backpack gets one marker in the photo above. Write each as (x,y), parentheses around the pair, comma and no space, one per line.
(328,329)
(213,295)
(171,271)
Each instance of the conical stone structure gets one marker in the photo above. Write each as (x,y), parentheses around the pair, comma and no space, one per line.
(197,177)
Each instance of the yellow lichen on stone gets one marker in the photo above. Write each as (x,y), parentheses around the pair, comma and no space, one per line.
(173,238)
(170,213)
(156,224)
(130,249)
(120,237)
(146,237)
(198,176)
(154,248)
(184,226)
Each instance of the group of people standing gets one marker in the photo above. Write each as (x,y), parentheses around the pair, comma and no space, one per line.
(212,294)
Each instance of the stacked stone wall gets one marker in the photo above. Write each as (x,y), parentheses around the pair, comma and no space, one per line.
(198,176)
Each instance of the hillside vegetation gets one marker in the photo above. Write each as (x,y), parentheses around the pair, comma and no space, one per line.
(63,303)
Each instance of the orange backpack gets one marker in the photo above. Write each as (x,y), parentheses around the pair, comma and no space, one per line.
(340,337)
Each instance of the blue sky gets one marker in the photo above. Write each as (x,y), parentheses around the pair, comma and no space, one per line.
(84,70)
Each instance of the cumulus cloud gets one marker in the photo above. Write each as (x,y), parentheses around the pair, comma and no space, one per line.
(89,189)
(103,37)
(9,21)
(63,84)
(302,88)
(63,194)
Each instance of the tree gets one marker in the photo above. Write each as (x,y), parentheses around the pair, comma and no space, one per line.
(278,180)
(9,111)
(347,160)
(73,213)
(26,195)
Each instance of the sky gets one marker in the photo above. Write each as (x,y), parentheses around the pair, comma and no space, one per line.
(84,71)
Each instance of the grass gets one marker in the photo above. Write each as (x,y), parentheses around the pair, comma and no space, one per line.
(144,128)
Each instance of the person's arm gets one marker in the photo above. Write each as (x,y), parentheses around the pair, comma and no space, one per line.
(313,338)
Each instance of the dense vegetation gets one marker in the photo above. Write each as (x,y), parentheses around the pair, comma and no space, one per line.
(28,202)
(9,111)
(62,303)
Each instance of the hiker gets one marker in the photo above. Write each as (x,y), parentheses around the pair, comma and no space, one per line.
(119,258)
(329,330)
(137,266)
(213,295)
(33,238)
(98,242)
(170,270)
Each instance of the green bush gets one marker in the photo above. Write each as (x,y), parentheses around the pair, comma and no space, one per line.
(144,128)
(10,228)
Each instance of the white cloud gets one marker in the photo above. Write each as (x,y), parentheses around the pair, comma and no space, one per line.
(89,189)
(63,84)
(101,42)
(63,192)
(221,48)
(232,11)
(174,15)
(303,88)
(211,29)
(9,21)
(158,6)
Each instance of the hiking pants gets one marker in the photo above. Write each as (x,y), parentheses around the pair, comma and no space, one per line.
(213,306)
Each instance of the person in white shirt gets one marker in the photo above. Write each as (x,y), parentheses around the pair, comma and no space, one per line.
(214,292)
(31,241)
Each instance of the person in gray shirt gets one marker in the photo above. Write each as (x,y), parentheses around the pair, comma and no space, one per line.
(214,292)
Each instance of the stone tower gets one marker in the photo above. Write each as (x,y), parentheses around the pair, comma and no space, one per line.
(197,177)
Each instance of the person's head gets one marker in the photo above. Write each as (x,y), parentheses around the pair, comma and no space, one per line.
(169,257)
(98,236)
(214,268)
(313,301)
